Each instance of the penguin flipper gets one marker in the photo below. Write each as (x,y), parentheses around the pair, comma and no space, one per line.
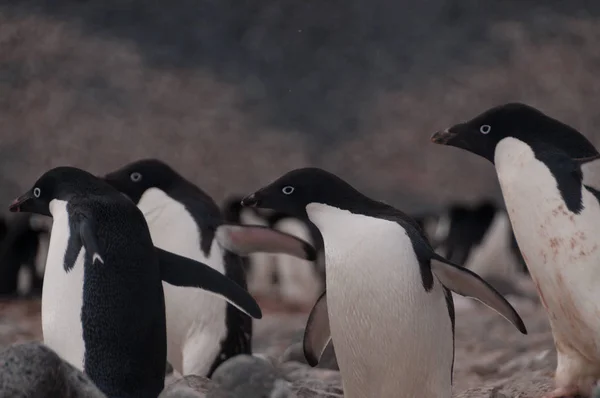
(317,333)
(89,241)
(467,283)
(184,272)
(246,239)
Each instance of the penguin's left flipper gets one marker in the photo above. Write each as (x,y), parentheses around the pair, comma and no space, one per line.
(246,239)
(317,333)
(89,241)
(467,283)
(184,272)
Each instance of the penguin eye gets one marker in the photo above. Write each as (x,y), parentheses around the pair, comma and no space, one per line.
(485,128)
(135,176)
(287,190)
(37,192)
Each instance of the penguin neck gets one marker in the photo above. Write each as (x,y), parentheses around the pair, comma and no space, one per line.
(513,159)
(58,208)
(153,203)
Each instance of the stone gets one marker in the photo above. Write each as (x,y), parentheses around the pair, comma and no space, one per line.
(31,370)
(295,353)
(247,376)
(189,387)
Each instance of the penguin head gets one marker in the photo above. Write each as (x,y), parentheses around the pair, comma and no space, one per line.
(60,183)
(481,134)
(291,193)
(136,178)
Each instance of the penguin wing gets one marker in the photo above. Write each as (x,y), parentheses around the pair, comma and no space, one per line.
(317,333)
(246,239)
(89,241)
(184,272)
(467,283)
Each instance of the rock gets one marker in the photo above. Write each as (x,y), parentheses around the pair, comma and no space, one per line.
(282,389)
(246,376)
(32,370)
(295,353)
(189,387)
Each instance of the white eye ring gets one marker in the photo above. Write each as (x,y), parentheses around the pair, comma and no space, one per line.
(135,176)
(37,192)
(485,128)
(287,190)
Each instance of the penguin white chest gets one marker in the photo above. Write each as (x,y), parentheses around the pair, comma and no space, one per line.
(62,293)
(195,319)
(561,248)
(391,336)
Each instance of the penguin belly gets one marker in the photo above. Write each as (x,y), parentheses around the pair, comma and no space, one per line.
(562,252)
(392,338)
(196,320)
(62,294)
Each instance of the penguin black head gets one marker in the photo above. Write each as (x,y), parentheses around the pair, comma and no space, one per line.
(136,178)
(481,134)
(60,183)
(291,193)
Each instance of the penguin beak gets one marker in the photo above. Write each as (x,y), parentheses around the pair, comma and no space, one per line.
(18,203)
(250,201)
(442,137)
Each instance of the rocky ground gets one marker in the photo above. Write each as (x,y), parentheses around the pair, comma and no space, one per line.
(492,358)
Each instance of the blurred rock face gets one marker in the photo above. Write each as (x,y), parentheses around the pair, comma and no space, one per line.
(233,95)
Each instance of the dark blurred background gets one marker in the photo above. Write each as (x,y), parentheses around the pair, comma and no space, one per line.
(233,93)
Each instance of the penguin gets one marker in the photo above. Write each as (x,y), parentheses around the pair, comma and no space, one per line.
(23,250)
(294,282)
(548,174)
(202,330)
(102,300)
(261,270)
(299,281)
(480,236)
(387,307)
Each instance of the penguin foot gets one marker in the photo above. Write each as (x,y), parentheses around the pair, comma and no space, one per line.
(563,392)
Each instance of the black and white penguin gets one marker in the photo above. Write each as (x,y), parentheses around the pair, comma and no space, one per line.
(294,282)
(102,300)
(548,173)
(476,236)
(202,330)
(387,308)
(299,282)
(261,268)
(23,249)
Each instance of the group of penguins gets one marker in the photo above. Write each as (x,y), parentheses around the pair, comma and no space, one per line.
(143,267)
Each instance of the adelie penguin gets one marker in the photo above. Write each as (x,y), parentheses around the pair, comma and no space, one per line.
(102,299)
(387,308)
(548,173)
(295,282)
(202,330)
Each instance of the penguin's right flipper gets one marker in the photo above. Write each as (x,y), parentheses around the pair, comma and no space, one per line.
(317,333)
(246,239)
(89,241)
(467,283)
(181,271)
